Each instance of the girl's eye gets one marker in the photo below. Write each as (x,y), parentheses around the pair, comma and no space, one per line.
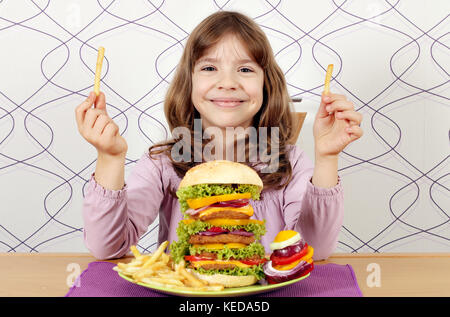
(246,70)
(208,68)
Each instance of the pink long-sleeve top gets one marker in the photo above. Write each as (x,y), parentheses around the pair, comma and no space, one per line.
(116,219)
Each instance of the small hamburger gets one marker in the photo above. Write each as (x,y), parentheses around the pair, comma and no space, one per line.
(217,238)
(291,258)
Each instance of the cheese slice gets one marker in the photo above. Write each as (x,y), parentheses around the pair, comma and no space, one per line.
(220,246)
(246,210)
(198,264)
(187,221)
(206,201)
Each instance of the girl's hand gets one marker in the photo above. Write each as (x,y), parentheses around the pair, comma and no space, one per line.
(95,125)
(336,125)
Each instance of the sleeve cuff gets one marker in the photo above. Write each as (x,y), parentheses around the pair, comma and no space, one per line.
(327,192)
(107,193)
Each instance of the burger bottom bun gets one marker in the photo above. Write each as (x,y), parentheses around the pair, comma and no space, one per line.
(227,280)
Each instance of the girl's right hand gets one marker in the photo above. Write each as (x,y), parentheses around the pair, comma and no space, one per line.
(95,125)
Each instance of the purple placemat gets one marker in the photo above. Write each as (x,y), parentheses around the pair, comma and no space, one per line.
(326,280)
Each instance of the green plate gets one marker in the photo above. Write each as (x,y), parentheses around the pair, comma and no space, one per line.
(235,291)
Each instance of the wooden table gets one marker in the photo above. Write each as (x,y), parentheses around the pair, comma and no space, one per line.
(385,274)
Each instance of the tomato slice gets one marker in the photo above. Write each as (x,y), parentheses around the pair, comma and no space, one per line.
(192,258)
(218,230)
(276,260)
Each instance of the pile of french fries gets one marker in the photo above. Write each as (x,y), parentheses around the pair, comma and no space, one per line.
(158,269)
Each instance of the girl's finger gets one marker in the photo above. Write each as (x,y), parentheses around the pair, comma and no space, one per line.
(91,116)
(80,111)
(326,100)
(110,130)
(355,132)
(100,124)
(332,98)
(354,117)
(340,105)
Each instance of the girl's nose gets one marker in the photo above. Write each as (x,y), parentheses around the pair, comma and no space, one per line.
(227,81)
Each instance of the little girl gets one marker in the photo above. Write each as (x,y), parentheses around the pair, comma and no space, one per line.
(227,77)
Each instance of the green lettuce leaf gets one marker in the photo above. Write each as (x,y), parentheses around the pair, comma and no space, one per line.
(184,231)
(178,249)
(256,270)
(206,190)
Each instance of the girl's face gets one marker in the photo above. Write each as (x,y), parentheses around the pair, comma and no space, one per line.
(227,85)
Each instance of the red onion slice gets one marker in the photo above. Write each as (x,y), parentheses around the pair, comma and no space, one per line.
(192,212)
(209,233)
(276,276)
(242,232)
(239,232)
(290,250)
(237,201)
(231,203)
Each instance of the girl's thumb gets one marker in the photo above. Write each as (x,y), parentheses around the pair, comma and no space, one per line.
(324,101)
(100,101)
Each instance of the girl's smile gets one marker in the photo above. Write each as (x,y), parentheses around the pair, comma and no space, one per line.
(227,85)
(227,102)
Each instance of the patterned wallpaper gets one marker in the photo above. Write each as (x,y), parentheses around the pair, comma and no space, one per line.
(392,59)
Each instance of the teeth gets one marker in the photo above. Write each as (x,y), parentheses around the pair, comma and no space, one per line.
(227,103)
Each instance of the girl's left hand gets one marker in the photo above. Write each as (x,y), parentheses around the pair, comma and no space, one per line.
(333,132)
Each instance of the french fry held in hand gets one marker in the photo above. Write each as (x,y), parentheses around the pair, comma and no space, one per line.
(98,70)
(326,88)
(158,269)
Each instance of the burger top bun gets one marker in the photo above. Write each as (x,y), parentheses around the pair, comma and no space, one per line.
(227,280)
(221,172)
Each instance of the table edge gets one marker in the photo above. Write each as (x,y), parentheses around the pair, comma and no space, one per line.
(333,256)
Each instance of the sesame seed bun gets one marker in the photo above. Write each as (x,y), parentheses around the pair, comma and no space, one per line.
(221,172)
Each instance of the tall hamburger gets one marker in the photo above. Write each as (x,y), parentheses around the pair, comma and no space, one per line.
(217,237)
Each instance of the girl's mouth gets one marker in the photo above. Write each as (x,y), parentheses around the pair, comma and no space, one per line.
(227,103)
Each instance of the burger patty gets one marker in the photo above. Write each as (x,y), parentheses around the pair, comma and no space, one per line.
(221,238)
(218,266)
(231,214)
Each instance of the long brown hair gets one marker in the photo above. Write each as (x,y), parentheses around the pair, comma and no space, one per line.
(276,108)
